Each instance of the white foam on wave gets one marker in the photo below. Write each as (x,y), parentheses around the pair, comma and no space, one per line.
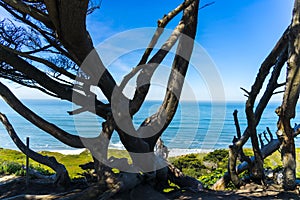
(179,152)
(68,152)
(117,145)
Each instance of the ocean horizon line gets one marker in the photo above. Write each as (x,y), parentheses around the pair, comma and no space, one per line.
(196,125)
(150,100)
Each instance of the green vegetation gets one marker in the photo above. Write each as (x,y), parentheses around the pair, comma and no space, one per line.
(12,161)
(207,167)
(12,168)
(210,167)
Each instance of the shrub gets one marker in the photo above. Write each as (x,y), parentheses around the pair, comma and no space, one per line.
(219,155)
(211,178)
(192,165)
(11,168)
(19,170)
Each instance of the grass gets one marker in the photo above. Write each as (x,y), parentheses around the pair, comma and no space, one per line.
(274,160)
(71,162)
(11,161)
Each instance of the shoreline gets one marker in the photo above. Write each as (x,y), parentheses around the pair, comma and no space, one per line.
(180,152)
(172,152)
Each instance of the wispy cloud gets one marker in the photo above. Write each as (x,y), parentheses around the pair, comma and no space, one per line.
(99,30)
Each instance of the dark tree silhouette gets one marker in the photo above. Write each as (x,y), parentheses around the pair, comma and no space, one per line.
(48,47)
(285,51)
(45,47)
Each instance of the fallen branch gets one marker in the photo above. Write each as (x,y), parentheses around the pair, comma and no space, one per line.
(62,177)
(266,151)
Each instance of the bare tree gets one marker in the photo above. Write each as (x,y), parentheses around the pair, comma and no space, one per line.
(45,47)
(290,99)
(285,51)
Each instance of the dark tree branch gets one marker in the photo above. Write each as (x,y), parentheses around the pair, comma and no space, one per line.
(62,176)
(29,10)
(63,91)
(280,50)
(142,90)
(61,135)
(43,61)
(270,134)
(290,99)
(179,68)
(242,156)
(237,125)
(157,58)
(48,36)
(23,80)
(278,92)
(78,111)
(246,91)
(42,49)
(206,5)
(261,140)
(281,84)
(33,86)
(265,136)
(162,23)
(277,57)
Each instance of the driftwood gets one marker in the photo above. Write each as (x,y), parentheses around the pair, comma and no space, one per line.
(275,59)
(286,51)
(266,151)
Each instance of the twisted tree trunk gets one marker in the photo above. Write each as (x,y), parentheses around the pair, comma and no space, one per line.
(290,99)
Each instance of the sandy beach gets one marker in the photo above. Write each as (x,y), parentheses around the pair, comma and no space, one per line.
(69,152)
(180,152)
(172,152)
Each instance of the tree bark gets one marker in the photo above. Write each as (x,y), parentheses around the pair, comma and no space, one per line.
(267,64)
(61,135)
(278,56)
(176,79)
(266,151)
(68,29)
(290,98)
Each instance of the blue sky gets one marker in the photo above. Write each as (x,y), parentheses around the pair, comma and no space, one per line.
(237,35)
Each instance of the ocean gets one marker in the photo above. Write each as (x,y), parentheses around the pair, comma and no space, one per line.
(196,125)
